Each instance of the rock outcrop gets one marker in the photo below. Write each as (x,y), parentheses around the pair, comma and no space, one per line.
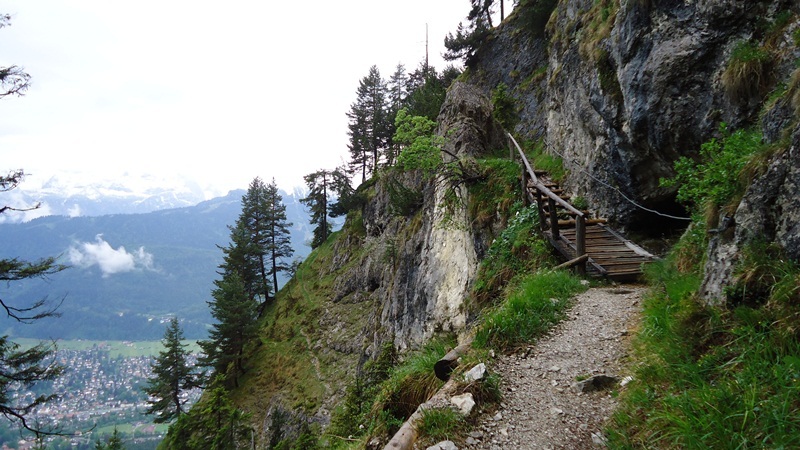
(629,88)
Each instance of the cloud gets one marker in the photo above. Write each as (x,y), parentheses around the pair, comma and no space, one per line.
(109,260)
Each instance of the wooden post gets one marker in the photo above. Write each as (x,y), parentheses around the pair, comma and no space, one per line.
(542,219)
(551,205)
(525,200)
(580,241)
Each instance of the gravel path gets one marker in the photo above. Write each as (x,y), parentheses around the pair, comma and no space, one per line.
(541,409)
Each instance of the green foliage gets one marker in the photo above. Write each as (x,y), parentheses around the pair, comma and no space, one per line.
(171,377)
(413,381)
(317,201)
(360,395)
(710,377)
(607,74)
(386,393)
(113,443)
(403,201)
(369,127)
(748,71)
(467,39)
(212,424)
(519,249)
(427,89)
(505,108)
(235,313)
(421,149)
(715,179)
(539,302)
(32,366)
(495,192)
(437,424)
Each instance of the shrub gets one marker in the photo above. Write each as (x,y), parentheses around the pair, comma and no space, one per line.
(715,179)
(505,109)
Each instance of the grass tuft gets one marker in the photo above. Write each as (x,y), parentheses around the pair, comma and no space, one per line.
(748,73)
(539,302)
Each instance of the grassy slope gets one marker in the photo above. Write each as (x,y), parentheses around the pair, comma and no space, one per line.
(295,359)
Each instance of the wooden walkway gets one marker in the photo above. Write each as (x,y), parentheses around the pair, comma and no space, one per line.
(584,242)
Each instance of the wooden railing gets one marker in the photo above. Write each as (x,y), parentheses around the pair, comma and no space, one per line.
(543,193)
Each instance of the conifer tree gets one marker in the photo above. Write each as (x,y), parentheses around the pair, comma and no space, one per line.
(279,243)
(317,203)
(235,313)
(239,257)
(369,129)
(113,443)
(255,219)
(171,377)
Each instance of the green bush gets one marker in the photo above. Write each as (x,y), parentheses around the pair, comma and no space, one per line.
(716,178)
(505,107)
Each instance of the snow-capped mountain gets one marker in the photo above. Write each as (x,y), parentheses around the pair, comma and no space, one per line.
(67,195)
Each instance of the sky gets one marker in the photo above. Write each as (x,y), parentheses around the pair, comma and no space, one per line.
(214,92)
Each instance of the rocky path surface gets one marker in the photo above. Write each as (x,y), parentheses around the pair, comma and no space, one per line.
(544,405)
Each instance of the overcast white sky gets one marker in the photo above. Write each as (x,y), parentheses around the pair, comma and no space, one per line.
(219,92)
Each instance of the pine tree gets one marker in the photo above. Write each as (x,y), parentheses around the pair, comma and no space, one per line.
(235,313)
(279,244)
(239,256)
(369,128)
(397,92)
(113,443)
(255,219)
(172,376)
(317,203)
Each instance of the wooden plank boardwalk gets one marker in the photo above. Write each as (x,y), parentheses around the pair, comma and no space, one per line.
(587,243)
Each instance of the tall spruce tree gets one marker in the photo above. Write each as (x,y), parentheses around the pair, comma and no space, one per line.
(235,313)
(239,257)
(397,92)
(317,203)
(255,219)
(172,376)
(279,243)
(113,443)
(369,128)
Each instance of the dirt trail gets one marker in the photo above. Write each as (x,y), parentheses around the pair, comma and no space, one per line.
(541,409)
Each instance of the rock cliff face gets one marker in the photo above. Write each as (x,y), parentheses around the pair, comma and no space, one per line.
(421,265)
(622,89)
(630,86)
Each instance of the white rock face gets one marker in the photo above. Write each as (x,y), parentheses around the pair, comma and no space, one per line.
(453,264)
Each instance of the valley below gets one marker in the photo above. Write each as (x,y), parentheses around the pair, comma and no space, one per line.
(100,390)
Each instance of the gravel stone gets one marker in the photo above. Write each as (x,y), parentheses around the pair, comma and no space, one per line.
(535,405)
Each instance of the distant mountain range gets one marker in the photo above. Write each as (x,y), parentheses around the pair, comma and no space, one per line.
(129,272)
(67,195)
